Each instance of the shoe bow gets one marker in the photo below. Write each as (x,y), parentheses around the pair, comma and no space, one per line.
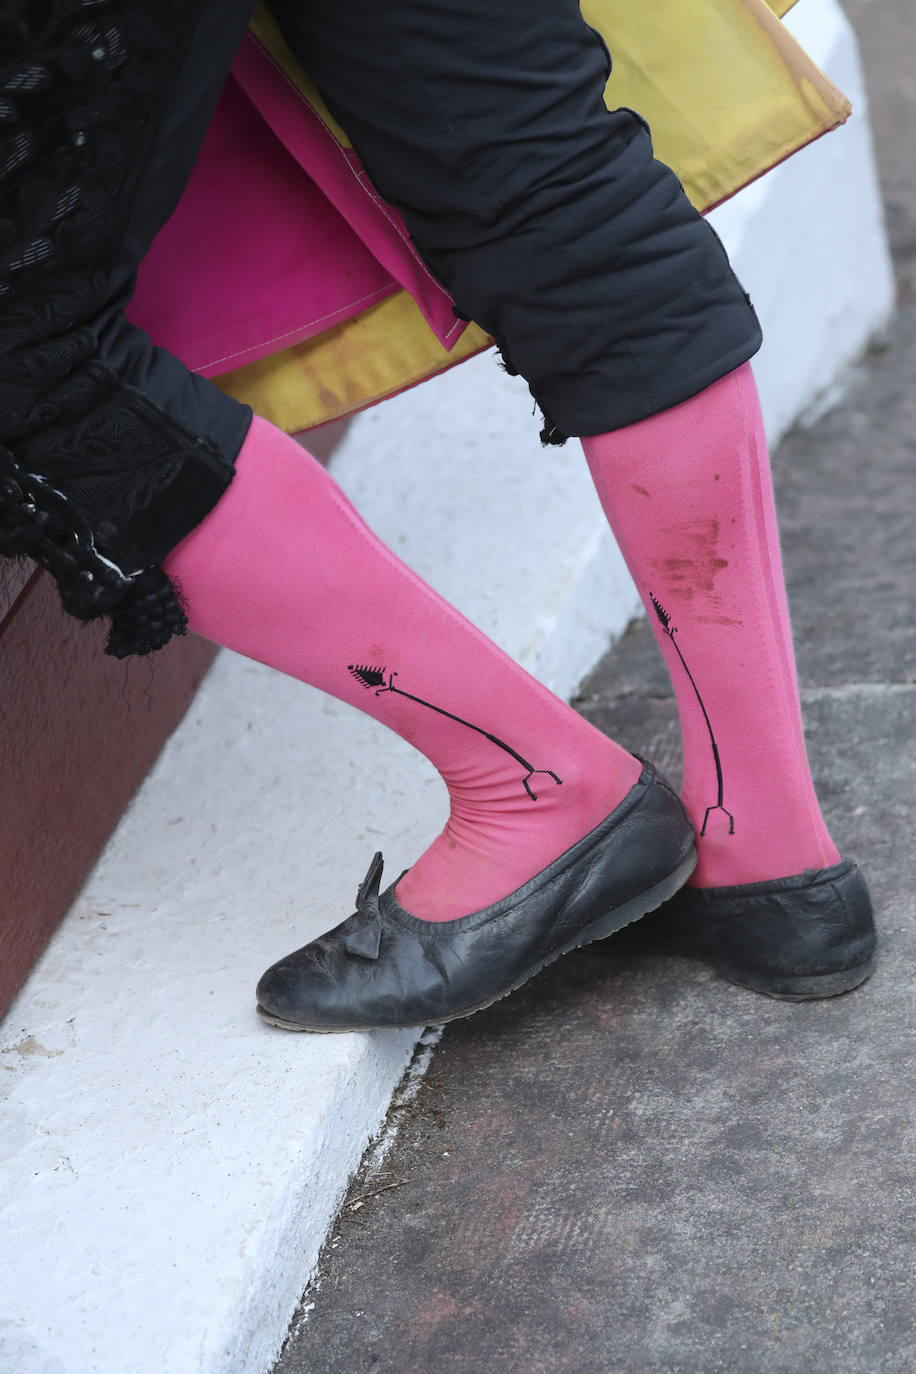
(365,927)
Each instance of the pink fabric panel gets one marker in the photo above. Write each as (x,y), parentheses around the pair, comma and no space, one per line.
(340,175)
(255,258)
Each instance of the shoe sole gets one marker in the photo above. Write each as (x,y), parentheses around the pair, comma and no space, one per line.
(606,925)
(797,987)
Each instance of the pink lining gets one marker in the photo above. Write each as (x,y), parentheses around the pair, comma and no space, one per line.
(340,175)
(278,236)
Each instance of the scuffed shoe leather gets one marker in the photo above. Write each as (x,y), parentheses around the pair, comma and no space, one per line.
(383,967)
(810,935)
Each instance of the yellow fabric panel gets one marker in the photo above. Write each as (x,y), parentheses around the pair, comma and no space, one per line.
(385,349)
(725,87)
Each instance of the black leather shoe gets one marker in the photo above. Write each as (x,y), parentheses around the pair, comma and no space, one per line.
(811,935)
(385,968)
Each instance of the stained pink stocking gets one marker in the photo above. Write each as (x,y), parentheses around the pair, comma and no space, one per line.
(690,500)
(285,571)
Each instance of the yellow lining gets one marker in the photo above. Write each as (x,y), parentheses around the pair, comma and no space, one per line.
(385,349)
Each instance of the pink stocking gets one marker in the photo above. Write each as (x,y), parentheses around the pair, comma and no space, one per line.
(285,571)
(689,497)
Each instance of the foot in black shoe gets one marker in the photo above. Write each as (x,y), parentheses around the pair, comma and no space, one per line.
(811,935)
(386,968)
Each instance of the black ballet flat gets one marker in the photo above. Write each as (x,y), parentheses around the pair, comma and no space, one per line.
(811,935)
(383,967)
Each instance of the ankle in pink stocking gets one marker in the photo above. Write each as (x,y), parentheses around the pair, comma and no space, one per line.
(285,571)
(689,497)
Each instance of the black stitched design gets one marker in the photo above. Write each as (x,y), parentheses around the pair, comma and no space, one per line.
(671,631)
(383,681)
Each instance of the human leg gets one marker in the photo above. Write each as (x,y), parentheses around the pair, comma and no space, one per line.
(689,498)
(555,837)
(285,571)
(515,254)
(551,224)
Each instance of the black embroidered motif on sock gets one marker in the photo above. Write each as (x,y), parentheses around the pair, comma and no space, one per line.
(383,681)
(671,631)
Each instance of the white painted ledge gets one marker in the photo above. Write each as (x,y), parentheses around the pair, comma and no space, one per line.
(170,1165)
(808,240)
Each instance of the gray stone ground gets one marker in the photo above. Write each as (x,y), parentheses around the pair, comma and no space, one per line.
(632,1165)
(887,37)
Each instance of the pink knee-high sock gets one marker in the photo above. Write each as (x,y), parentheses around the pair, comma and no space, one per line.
(689,497)
(285,571)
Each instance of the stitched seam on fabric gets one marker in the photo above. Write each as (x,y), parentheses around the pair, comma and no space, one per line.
(371,193)
(433,103)
(373,295)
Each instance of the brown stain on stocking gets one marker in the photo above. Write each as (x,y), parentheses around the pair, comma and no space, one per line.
(695,563)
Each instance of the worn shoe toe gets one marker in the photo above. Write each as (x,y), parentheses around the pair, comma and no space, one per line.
(384,967)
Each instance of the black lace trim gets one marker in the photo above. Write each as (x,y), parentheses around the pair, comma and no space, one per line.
(88,466)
